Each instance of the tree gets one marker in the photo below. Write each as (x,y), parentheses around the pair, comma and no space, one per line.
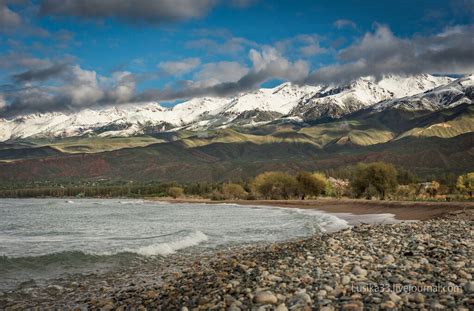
(374,179)
(175,192)
(465,184)
(233,191)
(433,188)
(311,184)
(275,185)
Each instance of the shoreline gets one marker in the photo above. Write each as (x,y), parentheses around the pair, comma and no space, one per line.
(402,210)
(417,265)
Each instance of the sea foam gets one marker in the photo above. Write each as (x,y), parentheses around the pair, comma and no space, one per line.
(168,248)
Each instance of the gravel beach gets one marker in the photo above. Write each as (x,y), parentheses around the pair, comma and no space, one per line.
(417,265)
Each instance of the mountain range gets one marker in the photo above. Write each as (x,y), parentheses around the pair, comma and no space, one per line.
(284,102)
(423,122)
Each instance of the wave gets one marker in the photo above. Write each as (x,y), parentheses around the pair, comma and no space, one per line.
(69,259)
(168,248)
(84,258)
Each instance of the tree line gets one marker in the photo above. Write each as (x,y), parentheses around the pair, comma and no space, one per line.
(366,180)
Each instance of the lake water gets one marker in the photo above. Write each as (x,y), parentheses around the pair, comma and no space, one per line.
(50,238)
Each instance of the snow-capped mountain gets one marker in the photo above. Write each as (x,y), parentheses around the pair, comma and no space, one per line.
(337,101)
(248,109)
(460,91)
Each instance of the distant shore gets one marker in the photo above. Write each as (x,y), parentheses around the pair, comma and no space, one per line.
(402,210)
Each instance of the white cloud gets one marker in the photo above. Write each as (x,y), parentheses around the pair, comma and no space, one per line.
(219,72)
(181,67)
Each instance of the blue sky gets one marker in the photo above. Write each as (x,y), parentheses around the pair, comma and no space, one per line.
(70,54)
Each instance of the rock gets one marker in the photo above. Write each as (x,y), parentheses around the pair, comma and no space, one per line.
(357,270)
(437,306)
(265,297)
(353,306)
(388,305)
(281,307)
(299,299)
(151,294)
(419,298)
(469,287)
(394,297)
(388,260)
(345,280)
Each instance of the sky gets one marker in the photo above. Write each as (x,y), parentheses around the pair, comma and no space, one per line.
(67,55)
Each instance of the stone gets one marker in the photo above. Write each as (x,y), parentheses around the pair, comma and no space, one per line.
(437,306)
(394,297)
(345,280)
(281,307)
(388,260)
(469,287)
(388,305)
(357,270)
(419,298)
(265,297)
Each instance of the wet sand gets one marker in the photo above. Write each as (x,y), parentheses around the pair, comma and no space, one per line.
(402,210)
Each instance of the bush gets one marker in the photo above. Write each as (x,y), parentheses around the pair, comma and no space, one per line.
(233,192)
(465,184)
(311,184)
(175,192)
(374,179)
(275,185)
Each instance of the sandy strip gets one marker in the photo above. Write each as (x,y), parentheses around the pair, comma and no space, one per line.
(402,210)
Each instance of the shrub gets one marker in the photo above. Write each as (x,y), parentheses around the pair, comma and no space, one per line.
(275,185)
(233,191)
(175,192)
(311,184)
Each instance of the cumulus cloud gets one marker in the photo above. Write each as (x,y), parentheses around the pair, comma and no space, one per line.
(267,64)
(381,52)
(79,89)
(178,68)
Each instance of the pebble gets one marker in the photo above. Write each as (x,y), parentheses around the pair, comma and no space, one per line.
(265,297)
(325,272)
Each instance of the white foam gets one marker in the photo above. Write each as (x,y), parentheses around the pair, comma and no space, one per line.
(168,248)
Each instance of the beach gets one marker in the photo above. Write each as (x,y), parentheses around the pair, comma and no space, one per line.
(401,210)
(411,265)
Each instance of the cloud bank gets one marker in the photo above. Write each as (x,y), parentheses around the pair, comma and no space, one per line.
(381,52)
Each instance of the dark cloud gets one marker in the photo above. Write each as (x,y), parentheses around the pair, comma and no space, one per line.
(53,71)
(79,89)
(136,11)
(381,52)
